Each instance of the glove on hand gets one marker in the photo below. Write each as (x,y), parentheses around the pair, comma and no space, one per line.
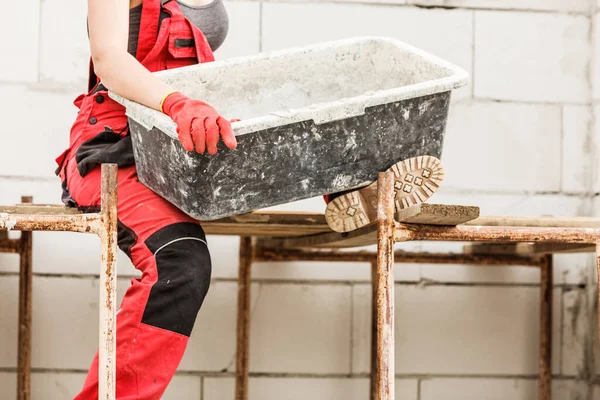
(198,124)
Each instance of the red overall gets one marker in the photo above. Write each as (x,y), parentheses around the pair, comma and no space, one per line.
(158,311)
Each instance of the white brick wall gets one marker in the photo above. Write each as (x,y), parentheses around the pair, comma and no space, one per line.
(61,42)
(516,147)
(497,389)
(552,5)
(541,58)
(65,385)
(284,25)
(477,323)
(20,43)
(522,139)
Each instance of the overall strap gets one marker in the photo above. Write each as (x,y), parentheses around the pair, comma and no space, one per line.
(149,24)
(181,25)
(173,8)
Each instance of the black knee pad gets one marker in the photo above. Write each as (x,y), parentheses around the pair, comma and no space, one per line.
(184,269)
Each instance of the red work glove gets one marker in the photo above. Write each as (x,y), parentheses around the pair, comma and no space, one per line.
(198,124)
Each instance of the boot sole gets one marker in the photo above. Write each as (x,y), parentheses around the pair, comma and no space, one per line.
(415,180)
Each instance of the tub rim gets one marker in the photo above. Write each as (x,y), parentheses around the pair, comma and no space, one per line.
(320,113)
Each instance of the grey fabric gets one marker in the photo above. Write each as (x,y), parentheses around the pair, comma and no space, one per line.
(212,20)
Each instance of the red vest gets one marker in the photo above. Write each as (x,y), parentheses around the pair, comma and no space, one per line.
(170,43)
(100,133)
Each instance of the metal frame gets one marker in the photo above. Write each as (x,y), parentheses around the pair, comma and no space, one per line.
(22,247)
(52,218)
(389,232)
(305,248)
(382,301)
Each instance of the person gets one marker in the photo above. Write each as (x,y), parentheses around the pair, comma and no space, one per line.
(130,39)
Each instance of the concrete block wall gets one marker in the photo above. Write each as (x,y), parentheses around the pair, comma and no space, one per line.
(521,139)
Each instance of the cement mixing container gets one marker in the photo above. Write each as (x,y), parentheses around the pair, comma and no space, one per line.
(314,120)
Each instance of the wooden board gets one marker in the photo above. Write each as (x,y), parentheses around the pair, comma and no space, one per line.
(432,214)
(253,224)
(38,209)
(364,236)
(280,224)
(538,222)
(437,214)
(527,249)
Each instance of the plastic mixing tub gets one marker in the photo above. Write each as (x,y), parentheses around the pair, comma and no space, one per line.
(314,120)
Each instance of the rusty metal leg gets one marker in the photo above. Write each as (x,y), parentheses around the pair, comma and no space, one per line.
(243,318)
(546,278)
(598,268)
(25,282)
(384,290)
(108,285)
(373,330)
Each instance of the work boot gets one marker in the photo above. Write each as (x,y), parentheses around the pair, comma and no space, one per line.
(415,180)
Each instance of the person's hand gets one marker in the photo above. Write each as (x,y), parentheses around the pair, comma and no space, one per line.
(198,124)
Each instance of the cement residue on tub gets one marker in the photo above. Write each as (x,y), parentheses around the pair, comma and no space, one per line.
(342,180)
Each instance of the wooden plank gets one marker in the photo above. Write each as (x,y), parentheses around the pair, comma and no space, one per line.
(258,230)
(537,222)
(527,249)
(496,234)
(38,209)
(364,236)
(279,224)
(253,224)
(3,235)
(278,217)
(437,214)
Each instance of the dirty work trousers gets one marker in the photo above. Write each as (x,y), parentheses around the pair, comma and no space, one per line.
(159,309)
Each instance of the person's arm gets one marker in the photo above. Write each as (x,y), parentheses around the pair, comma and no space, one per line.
(198,124)
(120,72)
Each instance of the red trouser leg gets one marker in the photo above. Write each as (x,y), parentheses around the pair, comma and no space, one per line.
(159,309)
(330,197)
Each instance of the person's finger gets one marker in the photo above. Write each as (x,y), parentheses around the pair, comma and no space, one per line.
(212,134)
(234,120)
(186,139)
(199,134)
(227,133)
